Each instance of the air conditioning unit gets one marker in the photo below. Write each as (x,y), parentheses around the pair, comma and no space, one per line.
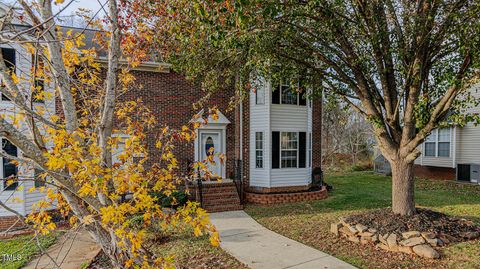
(468,173)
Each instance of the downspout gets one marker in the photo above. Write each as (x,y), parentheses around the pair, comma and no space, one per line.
(454,153)
(241,128)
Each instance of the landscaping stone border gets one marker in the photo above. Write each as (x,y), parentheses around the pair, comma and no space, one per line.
(422,244)
(281,198)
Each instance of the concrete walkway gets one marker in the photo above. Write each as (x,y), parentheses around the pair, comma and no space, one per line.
(260,248)
(72,251)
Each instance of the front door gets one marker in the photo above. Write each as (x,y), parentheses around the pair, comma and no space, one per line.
(211,144)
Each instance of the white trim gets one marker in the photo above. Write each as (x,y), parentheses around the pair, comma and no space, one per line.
(263,149)
(219,125)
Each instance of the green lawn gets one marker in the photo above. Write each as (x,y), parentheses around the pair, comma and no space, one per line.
(309,222)
(22,249)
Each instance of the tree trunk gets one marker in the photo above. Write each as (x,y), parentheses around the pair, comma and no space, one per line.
(402,188)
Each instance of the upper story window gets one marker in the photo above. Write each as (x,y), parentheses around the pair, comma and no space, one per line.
(284,94)
(437,144)
(9,59)
(260,96)
(259,150)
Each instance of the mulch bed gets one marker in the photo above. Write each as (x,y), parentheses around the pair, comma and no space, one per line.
(425,220)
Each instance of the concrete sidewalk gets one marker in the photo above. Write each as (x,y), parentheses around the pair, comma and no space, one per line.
(72,251)
(260,248)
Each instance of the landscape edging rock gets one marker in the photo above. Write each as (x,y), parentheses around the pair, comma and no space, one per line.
(412,242)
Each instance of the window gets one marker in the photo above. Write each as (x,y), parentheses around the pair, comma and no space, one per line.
(288,147)
(437,144)
(259,149)
(260,96)
(9,169)
(444,142)
(39,179)
(38,83)
(284,94)
(430,144)
(9,59)
(288,97)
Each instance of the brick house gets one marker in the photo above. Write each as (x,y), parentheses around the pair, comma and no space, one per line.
(272,137)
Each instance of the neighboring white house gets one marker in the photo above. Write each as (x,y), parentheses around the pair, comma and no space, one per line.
(17,195)
(452,153)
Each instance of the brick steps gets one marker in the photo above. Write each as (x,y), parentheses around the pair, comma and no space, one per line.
(218,197)
(224,201)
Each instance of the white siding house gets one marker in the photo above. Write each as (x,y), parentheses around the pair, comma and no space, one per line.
(17,196)
(280,137)
(456,148)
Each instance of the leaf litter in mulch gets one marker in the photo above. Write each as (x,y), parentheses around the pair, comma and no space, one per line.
(425,220)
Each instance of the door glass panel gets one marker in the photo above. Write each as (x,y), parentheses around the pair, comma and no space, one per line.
(209,146)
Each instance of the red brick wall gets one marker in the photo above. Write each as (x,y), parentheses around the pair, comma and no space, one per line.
(246,142)
(317,133)
(432,172)
(279,189)
(171,97)
(280,198)
(7,222)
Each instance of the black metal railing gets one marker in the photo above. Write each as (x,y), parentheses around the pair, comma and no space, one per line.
(238,178)
(200,191)
(317,177)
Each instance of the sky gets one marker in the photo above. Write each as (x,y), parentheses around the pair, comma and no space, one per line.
(93,5)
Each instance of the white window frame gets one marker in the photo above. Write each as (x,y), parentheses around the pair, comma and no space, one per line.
(281,85)
(296,150)
(437,141)
(262,141)
(261,100)
(449,142)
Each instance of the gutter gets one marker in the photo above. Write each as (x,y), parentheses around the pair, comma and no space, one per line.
(145,66)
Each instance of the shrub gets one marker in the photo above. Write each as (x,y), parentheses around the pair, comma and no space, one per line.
(176,199)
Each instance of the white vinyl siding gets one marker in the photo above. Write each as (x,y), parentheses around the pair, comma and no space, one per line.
(268,118)
(25,198)
(260,122)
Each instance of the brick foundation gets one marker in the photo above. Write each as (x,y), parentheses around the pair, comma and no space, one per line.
(254,189)
(7,221)
(282,198)
(432,172)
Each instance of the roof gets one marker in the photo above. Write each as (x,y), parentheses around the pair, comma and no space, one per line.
(90,35)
